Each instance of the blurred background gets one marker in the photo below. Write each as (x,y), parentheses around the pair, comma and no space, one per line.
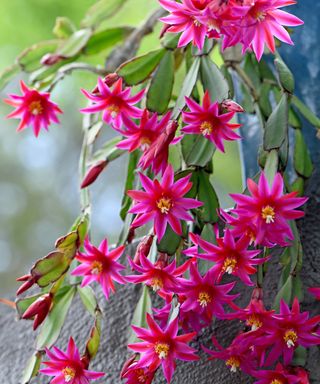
(39,193)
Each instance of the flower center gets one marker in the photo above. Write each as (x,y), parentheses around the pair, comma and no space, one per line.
(164,204)
(204,299)
(162,350)
(145,143)
(36,107)
(254,322)
(290,337)
(156,283)
(96,267)
(69,374)
(268,214)
(142,378)
(206,128)
(196,23)
(260,16)
(114,110)
(233,363)
(276,381)
(229,265)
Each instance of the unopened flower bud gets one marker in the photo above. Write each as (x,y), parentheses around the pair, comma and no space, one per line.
(127,365)
(93,173)
(51,59)
(28,283)
(109,80)
(39,310)
(231,106)
(143,248)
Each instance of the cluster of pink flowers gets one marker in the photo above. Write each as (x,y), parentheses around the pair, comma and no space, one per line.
(252,23)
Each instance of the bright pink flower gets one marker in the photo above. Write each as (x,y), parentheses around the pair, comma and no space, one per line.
(158,276)
(290,329)
(67,367)
(204,296)
(136,375)
(269,209)
(33,108)
(301,373)
(98,264)
(315,291)
(278,376)
(162,347)
(230,256)
(145,134)
(185,17)
(206,120)
(114,103)
(163,202)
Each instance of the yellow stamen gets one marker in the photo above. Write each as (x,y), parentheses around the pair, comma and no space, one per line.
(233,363)
(145,143)
(276,381)
(156,283)
(206,128)
(164,204)
(196,23)
(260,16)
(229,265)
(142,378)
(114,109)
(268,214)
(204,299)
(36,107)
(162,350)
(290,337)
(69,374)
(254,322)
(96,267)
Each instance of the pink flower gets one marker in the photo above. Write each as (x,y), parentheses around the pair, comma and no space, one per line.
(162,347)
(204,296)
(315,291)
(67,367)
(33,108)
(145,134)
(269,210)
(136,375)
(279,375)
(206,120)
(185,17)
(115,103)
(163,202)
(158,276)
(230,256)
(98,264)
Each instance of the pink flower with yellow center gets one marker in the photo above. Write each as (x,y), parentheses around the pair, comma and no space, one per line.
(67,367)
(99,264)
(34,108)
(206,120)
(269,209)
(278,376)
(230,256)
(162,347)
(114,103)
(145,134)
(163,202)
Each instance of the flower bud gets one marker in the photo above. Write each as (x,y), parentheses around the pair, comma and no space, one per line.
(109,80)
(231,106)
(93,173)
(143,248)
(51,59)
(28,283)
(127,365)
(39,310)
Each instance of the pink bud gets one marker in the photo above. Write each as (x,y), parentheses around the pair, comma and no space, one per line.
(39,310)
(109,80)
(143,248)
(231,106)
(51,59)
(127,365)
(93,173)
(29,281)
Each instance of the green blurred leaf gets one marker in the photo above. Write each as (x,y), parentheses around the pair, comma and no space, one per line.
(171,241)
(88,299)
(264,100)
(276,129)
(187,87)
(208,235)
(213,80)
(271,166)
(284,293)
(298,186)
(301,157)
(300,357)
(170,40)
(53,323)
(126,200)
(7,74)
(285,75)
(74,44)
(197,150)
(63,28)
(297,288)
(140,68)
(252,70)
(100,11)
(160,90)
(105,39)
(305,111)
(23,304)
(294,119)
(94,338)
(30,59)
(143,307)
(206,193)
(108,151)
(32,367)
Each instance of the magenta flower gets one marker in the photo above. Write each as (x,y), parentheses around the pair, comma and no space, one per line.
(185,17)
(98,264)
(136,375)
(145,134)
(162,347)
(206,120)
(269,210)
(290,329)
(230,256)
(67,367)
(315,291)
(158,276)
(204,296)
(163,202)
(33,108)
(114,103)
(279,375)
